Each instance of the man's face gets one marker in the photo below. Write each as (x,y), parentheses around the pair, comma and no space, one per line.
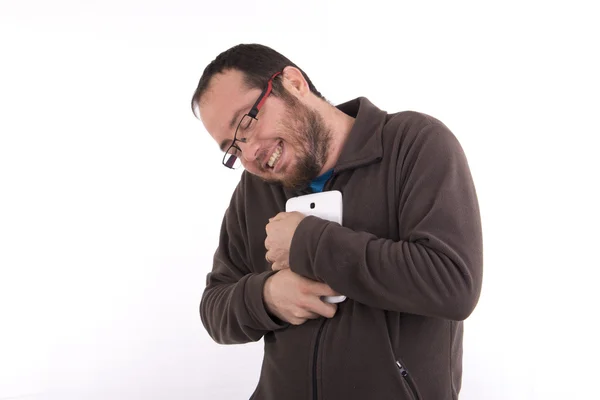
(288,143)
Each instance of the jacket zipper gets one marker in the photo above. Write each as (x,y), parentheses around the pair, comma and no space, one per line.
(315,356)
(408,380)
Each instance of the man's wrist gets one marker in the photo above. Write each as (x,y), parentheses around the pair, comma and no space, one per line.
(267,295)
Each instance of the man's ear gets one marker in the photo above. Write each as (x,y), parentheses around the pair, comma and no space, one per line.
(294,81)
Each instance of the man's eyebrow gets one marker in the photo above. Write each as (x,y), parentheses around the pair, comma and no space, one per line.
(224,144)
(234,120)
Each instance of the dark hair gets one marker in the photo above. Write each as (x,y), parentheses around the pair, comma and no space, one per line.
(257,62)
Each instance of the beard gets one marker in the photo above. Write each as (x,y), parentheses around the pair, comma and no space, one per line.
(305,131)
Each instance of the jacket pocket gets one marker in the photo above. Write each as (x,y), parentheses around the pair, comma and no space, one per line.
(408,379)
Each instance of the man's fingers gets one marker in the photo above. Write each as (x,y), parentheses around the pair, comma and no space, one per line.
(320,307)
(277,217)
(277,266)
(311,315)
(322,289)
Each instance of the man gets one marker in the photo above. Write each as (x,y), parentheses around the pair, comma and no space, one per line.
(408,258)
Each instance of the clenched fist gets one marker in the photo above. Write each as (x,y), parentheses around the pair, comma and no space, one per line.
(280,231)
(295,299)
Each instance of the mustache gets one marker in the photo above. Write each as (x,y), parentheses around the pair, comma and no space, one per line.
(262,157)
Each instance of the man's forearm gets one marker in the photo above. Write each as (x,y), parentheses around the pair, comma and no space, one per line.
(234,312)
(398,276)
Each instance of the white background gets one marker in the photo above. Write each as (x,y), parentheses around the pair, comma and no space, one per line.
(112,193)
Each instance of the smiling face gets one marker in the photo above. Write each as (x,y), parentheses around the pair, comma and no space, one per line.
(287,144)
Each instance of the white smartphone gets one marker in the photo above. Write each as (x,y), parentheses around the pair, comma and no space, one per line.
(326,205)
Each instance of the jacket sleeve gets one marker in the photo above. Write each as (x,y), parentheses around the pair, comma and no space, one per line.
(232,308)
(436,268)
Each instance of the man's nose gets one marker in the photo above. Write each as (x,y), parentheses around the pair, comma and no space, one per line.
(249,150)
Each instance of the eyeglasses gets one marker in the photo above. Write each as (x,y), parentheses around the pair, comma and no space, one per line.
(231,159)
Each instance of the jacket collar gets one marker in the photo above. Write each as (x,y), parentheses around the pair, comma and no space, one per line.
(364,144)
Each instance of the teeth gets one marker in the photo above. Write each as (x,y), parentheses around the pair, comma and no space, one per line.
(275,157)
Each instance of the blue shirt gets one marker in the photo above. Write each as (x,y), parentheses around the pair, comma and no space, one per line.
(319,182)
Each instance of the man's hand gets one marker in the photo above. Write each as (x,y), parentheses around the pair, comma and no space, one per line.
(295,299)
(280,231)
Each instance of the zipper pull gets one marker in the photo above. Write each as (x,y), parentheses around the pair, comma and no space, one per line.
(402,370)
